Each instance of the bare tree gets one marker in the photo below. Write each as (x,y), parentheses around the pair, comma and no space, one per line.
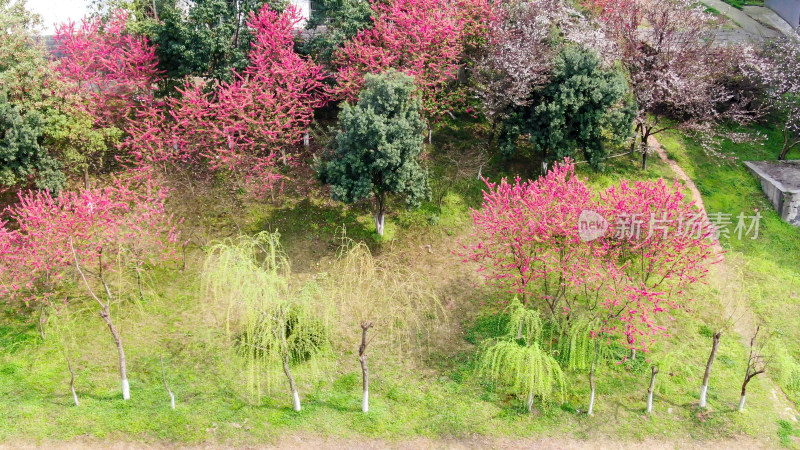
(362,358)
(707,375)
(166,386)
(105,314)
(72,380)
(756,364)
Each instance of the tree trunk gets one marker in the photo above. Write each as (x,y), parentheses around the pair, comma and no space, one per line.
(305,140)
(123,370)
(430,135)
(380,209)
(645,148)
(166,386)
(787,145)
(72,382)
(592,387)
(707,374)
(747,379)
(529,402)
(292,386)
(651,389)
(362,358)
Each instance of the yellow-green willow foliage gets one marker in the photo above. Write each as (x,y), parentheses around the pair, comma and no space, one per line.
(518,361)
(401,303)
(267,323)
(576,347)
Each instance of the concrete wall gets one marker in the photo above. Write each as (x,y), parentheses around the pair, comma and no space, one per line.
(785,199)
(788,9)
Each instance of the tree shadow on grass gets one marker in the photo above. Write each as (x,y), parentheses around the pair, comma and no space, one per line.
(311,230)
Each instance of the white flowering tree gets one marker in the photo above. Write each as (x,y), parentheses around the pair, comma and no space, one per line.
(780,73)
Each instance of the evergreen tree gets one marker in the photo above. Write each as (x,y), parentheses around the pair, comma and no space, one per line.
(343,19)
(21,156)
(582,107)
(378,145)
(207,40)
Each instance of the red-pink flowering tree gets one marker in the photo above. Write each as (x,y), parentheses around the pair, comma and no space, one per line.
(528,237)
(246,125)
(656,245)
(422,38)
(622,256)
(111,75)
(113,70)
(89,234)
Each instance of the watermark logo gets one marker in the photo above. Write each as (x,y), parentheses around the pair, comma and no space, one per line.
(591,225)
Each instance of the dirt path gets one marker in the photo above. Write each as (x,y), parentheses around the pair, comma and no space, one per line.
(726,277)
(301,441)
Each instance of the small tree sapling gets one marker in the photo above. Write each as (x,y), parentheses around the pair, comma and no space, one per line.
(756,365)
(400,306)
(362,358)
(80,233)
(651,388)
(715,338)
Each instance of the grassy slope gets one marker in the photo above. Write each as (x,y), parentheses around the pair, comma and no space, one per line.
(767,267)
(439,395)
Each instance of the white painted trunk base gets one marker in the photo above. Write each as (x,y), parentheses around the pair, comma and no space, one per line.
(296,400)
(365,402)
(75,398)
(126,389)
(172,400)
(649,402)
(591,403)
(741,403)
(703,394)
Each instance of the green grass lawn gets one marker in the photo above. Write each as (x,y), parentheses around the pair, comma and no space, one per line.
(433,391)
(769,266)
(739,4)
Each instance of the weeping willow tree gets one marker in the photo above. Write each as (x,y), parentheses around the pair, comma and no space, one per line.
(518,361)
(580,349)
(381,306)
(268,324)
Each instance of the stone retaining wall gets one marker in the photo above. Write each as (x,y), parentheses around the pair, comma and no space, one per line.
(780,181)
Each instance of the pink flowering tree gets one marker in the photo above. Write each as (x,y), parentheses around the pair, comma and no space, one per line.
(656,245)
(114,71)
(620,258)
(111,75)
(245,126)
(88,234)
(676,69)
(422,38)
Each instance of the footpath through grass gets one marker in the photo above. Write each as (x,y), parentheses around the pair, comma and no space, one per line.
(766,269)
